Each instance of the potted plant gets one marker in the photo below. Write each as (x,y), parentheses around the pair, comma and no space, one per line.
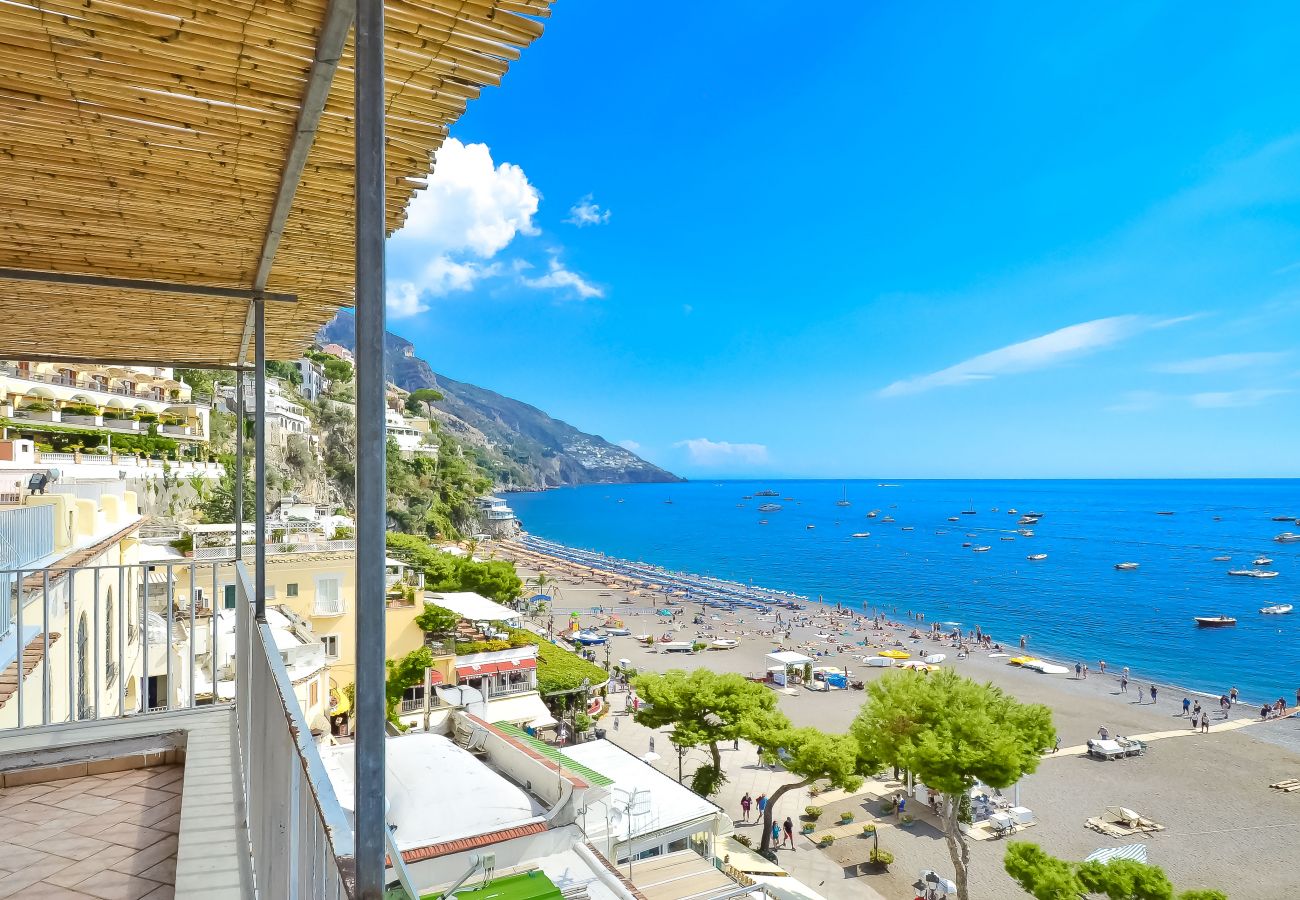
(906,820)
(826,841)
(743,840)
(813,812)
(868,829)
(879,857)
(846,817)
(808,828)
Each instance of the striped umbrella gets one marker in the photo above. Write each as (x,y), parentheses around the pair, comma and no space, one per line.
(1136,852)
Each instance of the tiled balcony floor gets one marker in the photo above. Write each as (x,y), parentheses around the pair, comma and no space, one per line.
(110,836)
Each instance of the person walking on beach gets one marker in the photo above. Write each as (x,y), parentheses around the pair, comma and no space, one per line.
(1232,695)
(746,802)
(1187,705)
(788,828)
(1104,733)
(1024,639)
(1101,666)
(1125,672)
(1078,671)
(761,803)
(1196,710)
(1123,684)
(776,834)
(1153,695)
(1085,671)
(1205,723)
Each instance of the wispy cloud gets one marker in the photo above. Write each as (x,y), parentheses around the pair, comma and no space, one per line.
(560,278)
(1041,352)
(1223,362)
(704,452)
(1229,399)
(587,212)
(629,444)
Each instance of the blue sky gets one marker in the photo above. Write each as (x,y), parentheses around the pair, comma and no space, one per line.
(890,240)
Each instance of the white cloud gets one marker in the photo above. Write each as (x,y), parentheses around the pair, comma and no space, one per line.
(562,279)
(1223,362)
(471,210)
(704,452)
(403,300)
(1041,352)
(1227,399)
(1137,401)
(587,212)
(471,206)
(629,444)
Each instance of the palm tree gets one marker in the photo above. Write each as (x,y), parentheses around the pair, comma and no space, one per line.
(541,583)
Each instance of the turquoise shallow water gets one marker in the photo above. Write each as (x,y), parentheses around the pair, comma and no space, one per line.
(1074,605)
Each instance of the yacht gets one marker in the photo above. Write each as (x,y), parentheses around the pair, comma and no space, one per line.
(1126,566)
(1221,558)
(861,534)
(770,507)
(1253,573)
(1027,520)
(767,493)
(1026,532)
(887,519)
(1219,621)
(983,548)
(1280,609)
(953,519)
(1288,537)
(1283,518)
(1035,557)
(873,514)
(1263,561)
(844,500)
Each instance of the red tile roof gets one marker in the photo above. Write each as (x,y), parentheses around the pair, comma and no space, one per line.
(33,653)
(492,668)
(415,854)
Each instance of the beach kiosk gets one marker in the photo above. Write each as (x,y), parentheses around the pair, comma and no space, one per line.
(779,663)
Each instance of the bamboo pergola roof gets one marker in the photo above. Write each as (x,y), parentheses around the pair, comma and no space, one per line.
(149,140)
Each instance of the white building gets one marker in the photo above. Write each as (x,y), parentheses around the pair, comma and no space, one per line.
(412,435)
(314,382)
(284,417)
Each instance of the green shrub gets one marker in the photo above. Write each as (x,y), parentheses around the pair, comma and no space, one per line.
(36,407)
(827,840)
(80,409)
(743,840)
(869,828)
(808,827)
(846,818)
(813,812)
(907,820)
(880,857)
(698,646)
(888,807)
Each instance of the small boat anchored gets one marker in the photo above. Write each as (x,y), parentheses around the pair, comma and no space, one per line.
(1263,561)
(1126,566)
(1253,573)
(1288,537)
(861,534)
(844,500)
(1280,609)
(1219,621)
(983,548)
(1035,557)
(1221,558)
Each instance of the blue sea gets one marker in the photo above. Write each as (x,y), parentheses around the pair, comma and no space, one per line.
(1074,606)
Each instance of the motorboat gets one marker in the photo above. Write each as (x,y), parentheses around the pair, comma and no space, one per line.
(810,526)
(1006,538)
(888,519)
(767,493)
(618,632)
(953,519)
(1165,512)
(1219,621)
(908,528)
(1283,518)
(1013,511)
(724,644)
(972,534)
(861,534)
(983,548)
(966,543)
(1035,557)
(1026,532)
(873,514)
(1288,537)
(1221,558)
(1126,566)
(1027,520)
(1263,561)
(1253,573)
(762,521)
(588,638)
(1280,609)
(1034,515)
(770,507)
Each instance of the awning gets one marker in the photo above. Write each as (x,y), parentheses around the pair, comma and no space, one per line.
(743,859)
(1136,852)
(787,658)
(526,709)
(474,670)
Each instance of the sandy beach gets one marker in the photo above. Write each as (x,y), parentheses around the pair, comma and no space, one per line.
(1224,826)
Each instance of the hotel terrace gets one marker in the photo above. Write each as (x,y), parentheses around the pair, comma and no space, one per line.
(203,185)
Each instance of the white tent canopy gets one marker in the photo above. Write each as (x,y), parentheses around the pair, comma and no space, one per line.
(474,607)
(1136,852)
(786,658)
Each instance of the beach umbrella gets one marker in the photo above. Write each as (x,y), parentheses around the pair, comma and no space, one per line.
(539,598)
(1136,852)
(666,612)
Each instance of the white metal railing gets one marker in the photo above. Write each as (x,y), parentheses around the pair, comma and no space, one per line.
(26,535)
(49,457)
(89,490)
(228,551)
(97,660)
(301,841)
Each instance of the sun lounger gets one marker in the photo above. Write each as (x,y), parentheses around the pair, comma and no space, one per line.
(1106,750)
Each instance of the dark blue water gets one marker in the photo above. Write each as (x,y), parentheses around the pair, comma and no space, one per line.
(1074,605)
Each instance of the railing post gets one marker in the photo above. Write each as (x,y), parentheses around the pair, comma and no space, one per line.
(259,460)
(371,449)
(239,463)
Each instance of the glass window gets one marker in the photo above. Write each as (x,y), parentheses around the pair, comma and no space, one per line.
(331,643)
(328,600)
(228,596)
(291,590)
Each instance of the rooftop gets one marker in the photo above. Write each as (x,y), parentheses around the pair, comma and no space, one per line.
(474,607)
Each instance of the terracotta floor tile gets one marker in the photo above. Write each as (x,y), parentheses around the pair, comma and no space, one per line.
(163,892)
(145,857)
(32,813)
(163,872)
(73,846)
(164,779)
(136,793)
(43,890)
(152,814)
(124,813)
(14,857)
(129,835)
(117,886)
(92,805)
(98,862)
(29,875)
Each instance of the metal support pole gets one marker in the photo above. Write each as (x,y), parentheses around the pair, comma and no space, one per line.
(371,449)
(239,464)
(259,462)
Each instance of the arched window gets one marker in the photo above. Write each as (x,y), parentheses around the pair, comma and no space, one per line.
(110,667)
(83,670)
